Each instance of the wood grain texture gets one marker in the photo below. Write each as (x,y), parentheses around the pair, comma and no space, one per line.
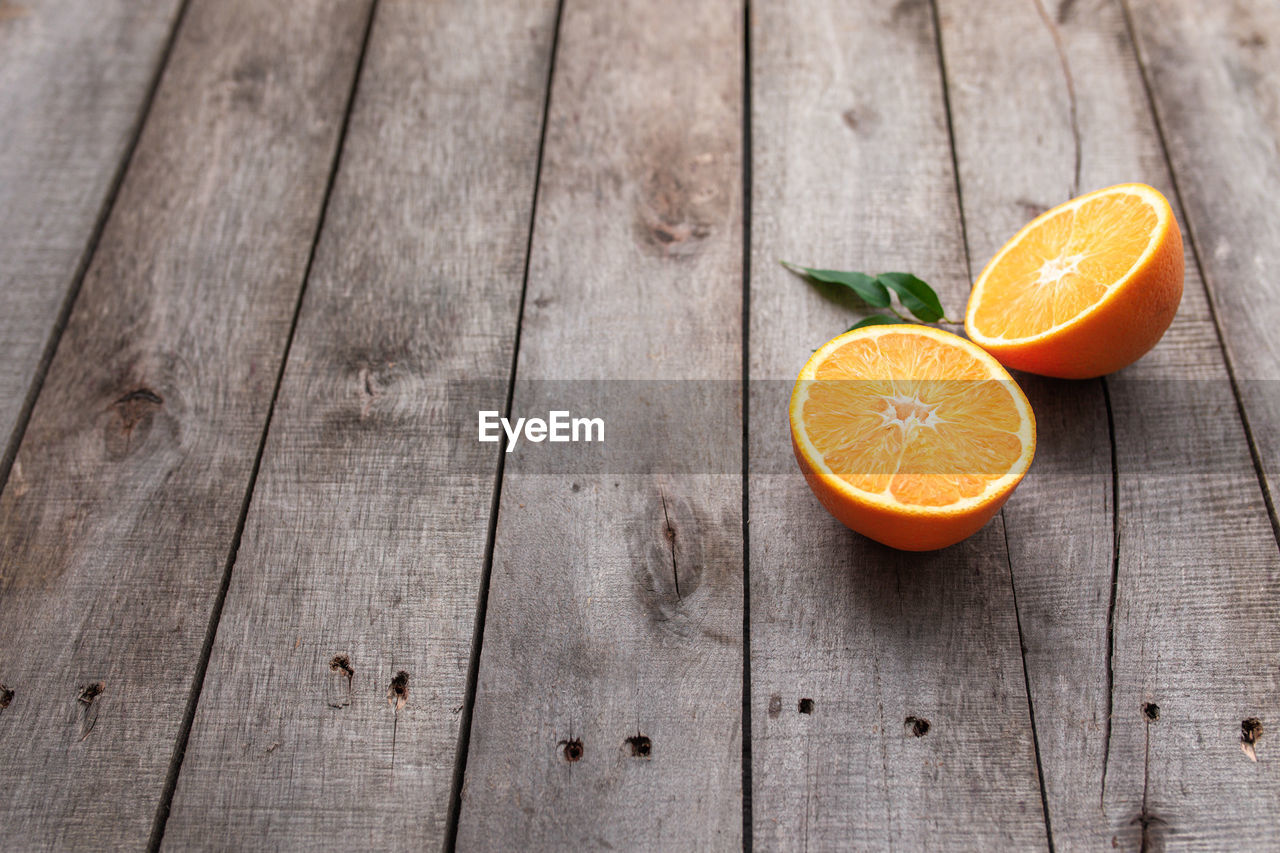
(119,516)
(368,526)
(1214,77)
(74,79)
(1048,101)
(1214,71)
(615,608)
(918,735)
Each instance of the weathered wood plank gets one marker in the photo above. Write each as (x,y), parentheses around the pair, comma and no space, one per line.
(852,169)
(74,80)
(122,506)
(367,531)
(1214,75)
(615,609)
(1048,101)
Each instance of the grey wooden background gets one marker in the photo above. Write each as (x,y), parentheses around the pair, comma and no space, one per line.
(255,595)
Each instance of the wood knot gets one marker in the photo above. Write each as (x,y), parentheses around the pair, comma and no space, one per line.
(1151,711)
(248,82)
(678,203)
(1030,209)
(9,11)
(6,697)
(133,413)
(372,380)
(90,692)
(859,119)
(671,539)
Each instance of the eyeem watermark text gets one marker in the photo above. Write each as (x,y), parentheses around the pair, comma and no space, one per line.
(558,426)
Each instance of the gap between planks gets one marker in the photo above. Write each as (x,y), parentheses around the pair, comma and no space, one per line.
(1158,121)
(90,249)
(202,665)
(968,265)
(747,823)
(482,598)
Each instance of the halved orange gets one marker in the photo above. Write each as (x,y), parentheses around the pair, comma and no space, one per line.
(1085,288)
(910,435)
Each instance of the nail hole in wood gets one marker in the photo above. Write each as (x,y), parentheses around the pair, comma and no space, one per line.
(1151,710)
(398,691)
(342,664)
(640,746)
(572,749)
(917,726)
(805,706)
(1250,731)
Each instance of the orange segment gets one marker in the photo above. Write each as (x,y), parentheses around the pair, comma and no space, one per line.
(910,435)
(1085,289)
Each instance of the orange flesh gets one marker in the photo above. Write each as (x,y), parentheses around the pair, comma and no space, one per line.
(1065,265)
(921,422)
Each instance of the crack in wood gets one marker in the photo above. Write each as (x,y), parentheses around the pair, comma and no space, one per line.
(884,759)
(145,395)
(1026,683)
(397,698)
(1144,817)
(1073,112)
(671,540)
(1148,821)
(88,712)
(368,391)
(1115,585)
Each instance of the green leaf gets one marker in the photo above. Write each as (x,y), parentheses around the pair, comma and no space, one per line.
(868,289)
(916,296)
(874,320)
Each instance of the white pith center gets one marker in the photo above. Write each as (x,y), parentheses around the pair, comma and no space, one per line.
(1052,270)
(908,413)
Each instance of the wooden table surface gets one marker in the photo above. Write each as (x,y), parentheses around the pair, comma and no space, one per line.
(258,590)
